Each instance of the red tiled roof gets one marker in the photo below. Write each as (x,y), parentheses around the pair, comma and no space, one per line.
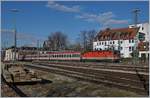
(113,34)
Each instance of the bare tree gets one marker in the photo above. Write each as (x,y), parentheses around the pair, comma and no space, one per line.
(86,39)
(56,41)
(90,38)
(83,39)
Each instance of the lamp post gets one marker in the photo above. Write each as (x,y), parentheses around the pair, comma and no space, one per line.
(15,32)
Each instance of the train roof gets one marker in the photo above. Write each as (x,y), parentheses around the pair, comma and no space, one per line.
(63,52)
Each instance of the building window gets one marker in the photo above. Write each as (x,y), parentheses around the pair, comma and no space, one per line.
(102,43)
(113,42)
(99,43)
(132,48)
(142,28)
(129,40)
(132,40)
(121,42)
(121,48)
(110,42)
(129,48)
(105,43)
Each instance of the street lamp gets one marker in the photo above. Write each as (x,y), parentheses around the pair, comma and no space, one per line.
(15,32)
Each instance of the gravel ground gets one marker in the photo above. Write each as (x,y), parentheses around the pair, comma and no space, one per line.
(62,86)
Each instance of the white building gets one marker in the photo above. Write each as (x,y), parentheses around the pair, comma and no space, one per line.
(122,38)
(143,28)
(9,54)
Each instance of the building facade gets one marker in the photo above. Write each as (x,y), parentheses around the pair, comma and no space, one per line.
(122,39)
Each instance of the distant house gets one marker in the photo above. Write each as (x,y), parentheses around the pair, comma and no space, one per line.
(122,39)
(10,53)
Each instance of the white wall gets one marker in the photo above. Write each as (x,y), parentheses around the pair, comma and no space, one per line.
(9,55)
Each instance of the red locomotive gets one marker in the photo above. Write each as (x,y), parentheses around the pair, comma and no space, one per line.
(104,55)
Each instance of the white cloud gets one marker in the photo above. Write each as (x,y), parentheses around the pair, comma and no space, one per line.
(59,7)
(107,18)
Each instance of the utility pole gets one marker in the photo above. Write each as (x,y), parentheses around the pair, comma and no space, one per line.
(15,33)
(38,54)
(135,55)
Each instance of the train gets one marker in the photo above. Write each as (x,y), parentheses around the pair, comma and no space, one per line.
(102,55)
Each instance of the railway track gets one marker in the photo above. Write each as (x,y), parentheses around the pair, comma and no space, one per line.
(102,65)
(129,80)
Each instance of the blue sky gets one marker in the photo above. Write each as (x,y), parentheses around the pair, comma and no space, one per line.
(37,19)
